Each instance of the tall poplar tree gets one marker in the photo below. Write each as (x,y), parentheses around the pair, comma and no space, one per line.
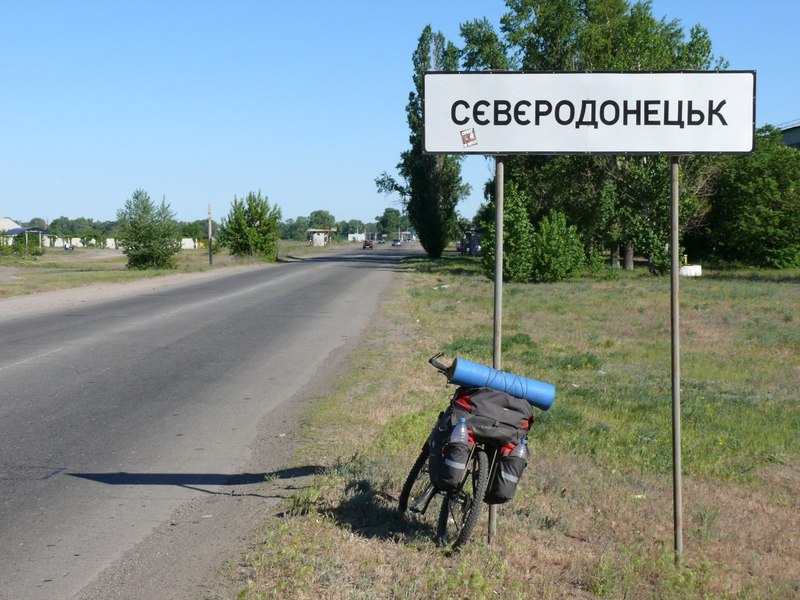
(431,185)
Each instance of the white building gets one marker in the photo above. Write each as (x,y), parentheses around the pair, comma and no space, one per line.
(6,224)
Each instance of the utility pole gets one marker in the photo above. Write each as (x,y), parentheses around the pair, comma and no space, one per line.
(210,259)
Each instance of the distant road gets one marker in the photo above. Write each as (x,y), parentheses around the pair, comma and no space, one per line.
(115,413)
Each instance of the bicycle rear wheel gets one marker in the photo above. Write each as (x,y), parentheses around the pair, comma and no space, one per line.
(461,507)
(418,491)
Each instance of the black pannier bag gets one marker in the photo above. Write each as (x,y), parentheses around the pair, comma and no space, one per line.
(492,417)
(500,420)
(506,477)
(447,461)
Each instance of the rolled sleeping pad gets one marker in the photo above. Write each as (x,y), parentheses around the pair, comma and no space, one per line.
(470,374)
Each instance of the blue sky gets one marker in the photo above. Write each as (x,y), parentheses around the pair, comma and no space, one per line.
(198,101)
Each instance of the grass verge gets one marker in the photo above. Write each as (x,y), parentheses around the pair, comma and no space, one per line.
(593,514)
(57,269)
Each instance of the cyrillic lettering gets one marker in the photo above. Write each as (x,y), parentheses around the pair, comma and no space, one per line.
(542,109)
(627,112)
(651,112)
(715,111)
(679,120)
(615,107)
(691,112)
(519,112)
(478,114)
(457,104)
(570,112)
(638,112)
(592,104)
(502,108)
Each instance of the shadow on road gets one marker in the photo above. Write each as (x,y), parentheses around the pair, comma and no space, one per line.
(192,480)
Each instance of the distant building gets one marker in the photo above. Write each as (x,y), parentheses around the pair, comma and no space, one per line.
(791,135)
(6,224)
(321,236)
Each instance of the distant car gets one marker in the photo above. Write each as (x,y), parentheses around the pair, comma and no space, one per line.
(381,241)
(396,242)
(367,244)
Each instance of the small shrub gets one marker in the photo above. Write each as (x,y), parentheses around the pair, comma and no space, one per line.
(557,250)
(21,247)
(598,267)
(517,239)
(251,228)
(149,234)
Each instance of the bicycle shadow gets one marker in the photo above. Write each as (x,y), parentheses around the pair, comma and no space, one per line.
(372,513)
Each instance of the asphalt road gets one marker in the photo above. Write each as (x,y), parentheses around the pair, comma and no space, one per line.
(115,413)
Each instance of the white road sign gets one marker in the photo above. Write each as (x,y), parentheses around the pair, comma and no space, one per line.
(577,113)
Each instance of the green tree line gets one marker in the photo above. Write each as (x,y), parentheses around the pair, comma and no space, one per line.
(387,223)
(733,208)
(150,235)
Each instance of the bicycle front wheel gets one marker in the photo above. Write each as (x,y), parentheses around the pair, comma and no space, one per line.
(461,507)
(418,491)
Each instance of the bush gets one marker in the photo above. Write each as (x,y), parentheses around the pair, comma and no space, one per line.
(252,228)
(598,267)
(557,250)
(149,235)
(755,216)
(20,247)
(517,238)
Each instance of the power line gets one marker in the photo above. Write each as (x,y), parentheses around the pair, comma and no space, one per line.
(788,124)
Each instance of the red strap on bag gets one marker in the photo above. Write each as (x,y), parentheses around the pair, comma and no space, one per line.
(464,400)
(507,448)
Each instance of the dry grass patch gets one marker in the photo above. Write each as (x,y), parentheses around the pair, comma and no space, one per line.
(57,269)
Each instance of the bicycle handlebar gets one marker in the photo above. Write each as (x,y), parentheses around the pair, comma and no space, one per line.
(441,367)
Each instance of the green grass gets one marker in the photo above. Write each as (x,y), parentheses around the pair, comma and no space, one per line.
(592,517)
(609,355)
(606,346)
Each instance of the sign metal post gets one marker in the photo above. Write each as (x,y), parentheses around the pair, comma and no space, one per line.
(497,338)
(677,497)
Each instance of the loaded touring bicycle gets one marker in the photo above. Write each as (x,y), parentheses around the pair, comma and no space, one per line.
(477,450)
